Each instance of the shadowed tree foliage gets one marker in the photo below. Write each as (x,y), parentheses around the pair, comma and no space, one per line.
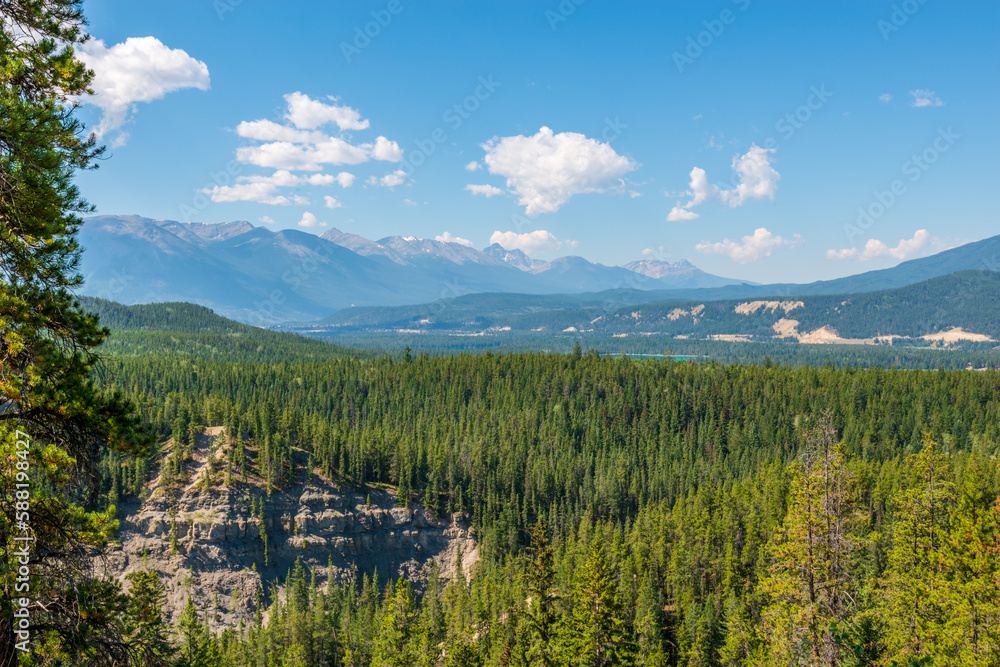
(48,398)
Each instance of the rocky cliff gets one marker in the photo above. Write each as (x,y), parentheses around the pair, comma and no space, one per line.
(205,540)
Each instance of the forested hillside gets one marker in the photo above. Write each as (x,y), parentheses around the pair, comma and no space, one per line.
(697,514)
(189,330)
(967,300)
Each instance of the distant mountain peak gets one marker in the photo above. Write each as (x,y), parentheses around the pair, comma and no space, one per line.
(654,268)
(516,258)
(361,245)
(216,231)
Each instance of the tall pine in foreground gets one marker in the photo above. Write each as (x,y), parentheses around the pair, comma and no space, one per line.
(540,618)
(594,633)
(53,418)
(809,582)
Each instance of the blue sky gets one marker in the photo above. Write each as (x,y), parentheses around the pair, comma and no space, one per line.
(746,136)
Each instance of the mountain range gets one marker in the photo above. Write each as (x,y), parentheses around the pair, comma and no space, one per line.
(959,308)
(264,277)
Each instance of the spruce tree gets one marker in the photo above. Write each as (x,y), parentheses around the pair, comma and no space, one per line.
(541,617)
(595,634)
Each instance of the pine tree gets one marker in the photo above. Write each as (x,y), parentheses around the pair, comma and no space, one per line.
(47,345)
(146,627)
(541,617)
(942,595)
(393,646)
(809,581)
(193,651)
(594,634)
(970,558)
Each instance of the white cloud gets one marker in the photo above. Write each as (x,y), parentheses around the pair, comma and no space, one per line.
(678,214)
(306,113)
(538,241)
(875,249)
(387,150)
(268,130)
(260,193)
(546,169)
(334,150)
(286,179)
(885,98)
(300,146)
(473,166)
(140,69)
(634,194)
(310,220)
(279,155)
(264,189)
(755,179)
(287,155)
(750,248)
(331,202)
(267,220)
(484,190)
(925,98)
(448,238)
(390,180)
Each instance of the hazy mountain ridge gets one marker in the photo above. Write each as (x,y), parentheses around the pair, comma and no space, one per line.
(266,277)
(962,305)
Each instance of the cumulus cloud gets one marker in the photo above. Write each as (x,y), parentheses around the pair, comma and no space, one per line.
(538,241)
(303,157)
(448,238)
(308,114)
(305,143)
(310,220)
(387,150)
(750,248)
(678,214)
(754,179)
(473,166)
(140,69)
(390,180)
(546,169)
(925,98)
(885,98)
(268,130)
(874,249)
(332,202)
(264,189)
(260,193)
(484,190)
(267,220)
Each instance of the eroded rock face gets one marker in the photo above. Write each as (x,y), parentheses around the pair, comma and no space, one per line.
(331,528)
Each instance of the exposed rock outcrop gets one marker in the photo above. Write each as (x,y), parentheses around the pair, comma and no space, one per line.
(208,542)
